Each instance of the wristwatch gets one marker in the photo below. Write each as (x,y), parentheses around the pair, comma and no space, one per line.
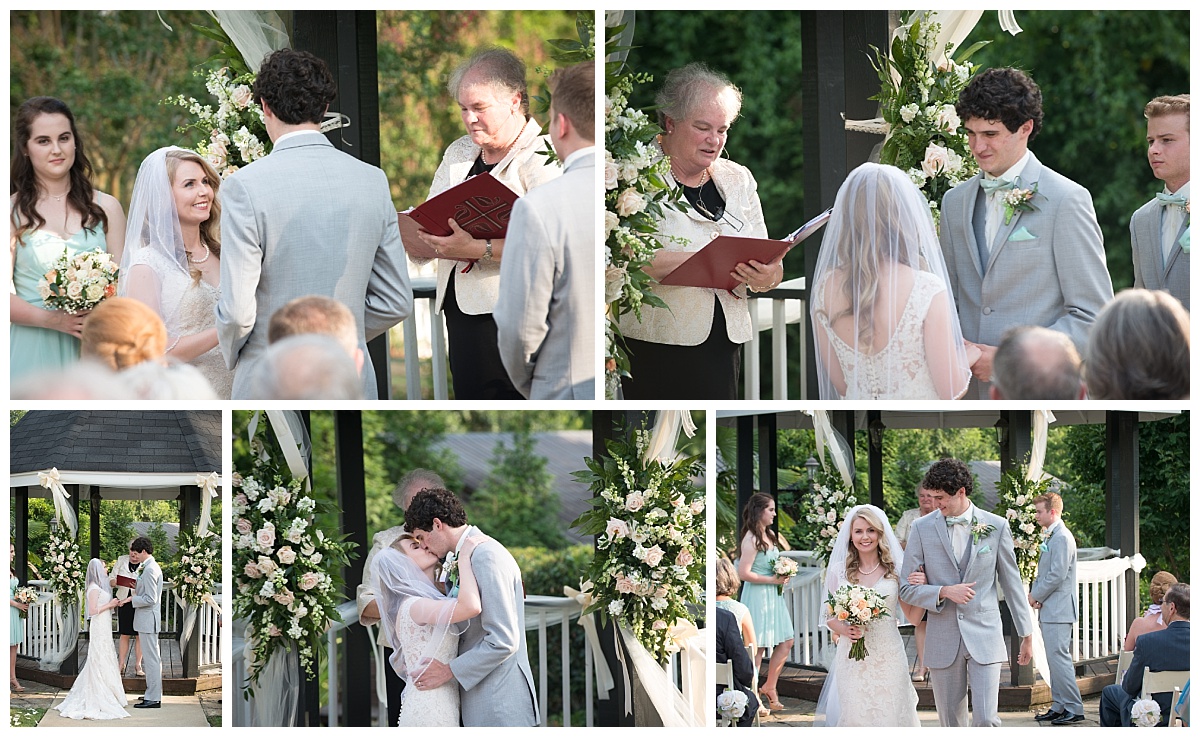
(487,251)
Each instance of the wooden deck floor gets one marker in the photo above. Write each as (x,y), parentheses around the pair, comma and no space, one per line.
(172,672)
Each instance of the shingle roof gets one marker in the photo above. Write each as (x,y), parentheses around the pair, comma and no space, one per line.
(125,441)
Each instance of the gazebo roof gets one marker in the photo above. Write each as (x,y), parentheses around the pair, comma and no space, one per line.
(125,449)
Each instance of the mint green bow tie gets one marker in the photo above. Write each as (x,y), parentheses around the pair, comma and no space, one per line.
(991,186)
(1165,199)
(964,520)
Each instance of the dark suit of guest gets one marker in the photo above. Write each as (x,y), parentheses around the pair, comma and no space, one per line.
(730,648)
(1168,649)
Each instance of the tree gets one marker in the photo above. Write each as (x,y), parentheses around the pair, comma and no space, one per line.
(516,503)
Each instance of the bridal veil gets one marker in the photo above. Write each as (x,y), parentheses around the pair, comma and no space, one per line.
(397,580)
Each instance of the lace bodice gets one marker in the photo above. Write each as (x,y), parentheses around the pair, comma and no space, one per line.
(900,370)
(440,706)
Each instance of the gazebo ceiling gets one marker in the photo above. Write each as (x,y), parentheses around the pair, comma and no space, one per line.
(929,419)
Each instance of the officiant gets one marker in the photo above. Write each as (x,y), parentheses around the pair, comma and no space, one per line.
(503,139)
(691,349)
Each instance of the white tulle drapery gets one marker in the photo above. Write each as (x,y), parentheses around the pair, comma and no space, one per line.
(65,611)
(1037,456)
(831,440)
(670,707)
(604,677)
(665,434)
(255,33)
(62,507)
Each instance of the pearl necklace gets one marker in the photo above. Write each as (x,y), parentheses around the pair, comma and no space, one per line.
(703,177)
(861,572)
(207,253)
(483,154)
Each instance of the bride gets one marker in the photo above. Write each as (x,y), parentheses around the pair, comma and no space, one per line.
(883,315)
(875,691)
(418,619)
(98,692)
(172,256)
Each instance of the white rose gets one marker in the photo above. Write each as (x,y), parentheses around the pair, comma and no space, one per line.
(937,160)
(74,290)
(615,607)
(630,202)
(947,119)
(629,171)
(909,112)
(610,175)
(44,290)
(286,555)
(634,501)
(241,96)
(616,528)
(654,556)
(611,221)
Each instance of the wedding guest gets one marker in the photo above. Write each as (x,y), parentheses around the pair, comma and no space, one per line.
(319,315)
(731,650)
(16,622)
(1054,593)
(172,256)
(1160,229)
(306,219)
(125,616)
(1169,649)
(1039,262)
(1033,362)
(691,349)
(503,139)
(84,380)
(546,312)
(54,208)
(368,607)
(727,588)
(1140,348)
(305,367)
(123,332)
(1152,620)
(760,548)
(925,505)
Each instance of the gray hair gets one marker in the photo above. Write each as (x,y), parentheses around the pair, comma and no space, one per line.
(496,67)
(306,366)
(687,87)
(1037,363)
(426,478)
(1140,348)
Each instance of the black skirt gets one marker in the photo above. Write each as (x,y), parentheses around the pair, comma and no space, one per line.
(125,621)
(475,364)
(690,372)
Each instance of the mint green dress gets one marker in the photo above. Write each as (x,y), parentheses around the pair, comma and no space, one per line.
(16,625)
(33,350)
(772,621)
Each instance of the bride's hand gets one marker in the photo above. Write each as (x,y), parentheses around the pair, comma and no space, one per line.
(472,542)
(917,578)
(854,632)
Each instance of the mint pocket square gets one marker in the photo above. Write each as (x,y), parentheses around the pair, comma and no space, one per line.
(985,549)
(1022,234)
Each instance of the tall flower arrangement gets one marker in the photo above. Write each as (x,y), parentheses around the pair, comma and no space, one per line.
(285,569)
(636,194)
(1016,505)
(235,131)
(917,98)
(823,510)
(64,562)
(196,566)
(648,519)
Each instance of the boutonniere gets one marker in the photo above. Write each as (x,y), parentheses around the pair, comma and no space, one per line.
(449,569)
(1043,546)
(138,573)
(980,531)
(1018,200)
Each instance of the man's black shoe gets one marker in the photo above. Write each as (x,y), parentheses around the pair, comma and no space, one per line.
(1050,715)
(153,705)
(1068,719)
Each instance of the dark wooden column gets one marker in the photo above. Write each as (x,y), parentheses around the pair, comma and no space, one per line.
(94,520)
(745,462)
(189,516)
(1016,443)
(347,41)
(20,532)
(1122,527)
(352,499)
(768,455)
(875,430)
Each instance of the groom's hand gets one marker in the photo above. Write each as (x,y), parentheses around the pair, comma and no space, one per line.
(436,674)
(1026,653)
(982,367)
(959,593)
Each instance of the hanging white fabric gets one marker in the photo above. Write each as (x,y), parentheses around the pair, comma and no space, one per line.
(62,508)
(1037,457)
(828,438)
(255,33)
(208,483)
(604,677)
(665,434)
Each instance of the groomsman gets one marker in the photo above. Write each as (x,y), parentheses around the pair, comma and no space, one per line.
(1054,594)
(1039,261)
(546,314)
(1161,229)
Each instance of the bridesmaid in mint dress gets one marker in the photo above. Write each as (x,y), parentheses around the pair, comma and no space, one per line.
(54,208)
(16,625)
(760,593)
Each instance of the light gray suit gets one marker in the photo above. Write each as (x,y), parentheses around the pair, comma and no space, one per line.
(1045,267)
(492,667)
(1145,231)
(1056,588)
(307,219)
(147,621)
(546,314)
(965,642)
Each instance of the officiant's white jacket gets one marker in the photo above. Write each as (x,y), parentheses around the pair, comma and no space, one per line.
(521,169)
(689,318)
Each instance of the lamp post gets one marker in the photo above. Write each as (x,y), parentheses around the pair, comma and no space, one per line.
(811,466)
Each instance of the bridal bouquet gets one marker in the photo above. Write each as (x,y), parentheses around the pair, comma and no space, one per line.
(1145,713)
(857,605)
(731,705)
(784,567)
(234,131)
(78,283)
(25,595)
(1016,505)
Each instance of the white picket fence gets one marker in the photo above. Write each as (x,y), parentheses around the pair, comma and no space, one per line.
(44,624)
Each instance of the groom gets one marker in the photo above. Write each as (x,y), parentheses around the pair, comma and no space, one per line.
(305,220)
(146,617)
(964,552)
(1040,262)
(492,667)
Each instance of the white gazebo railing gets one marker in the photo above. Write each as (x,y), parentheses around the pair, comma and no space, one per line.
(774,312)
(425,331)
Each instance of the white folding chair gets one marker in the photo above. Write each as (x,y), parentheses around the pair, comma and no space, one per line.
(754,686)
(1123,661)
(1164,681)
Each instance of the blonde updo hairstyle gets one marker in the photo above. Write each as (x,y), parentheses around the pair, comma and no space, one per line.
(123,332)
(885,554)
(1160,584)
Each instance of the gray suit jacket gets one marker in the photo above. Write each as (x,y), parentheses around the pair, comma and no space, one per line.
(492,667)
(1055,584)
(546,314)
(146,598)
(1046,267)
(975,624)
(1145,231)
(307,219)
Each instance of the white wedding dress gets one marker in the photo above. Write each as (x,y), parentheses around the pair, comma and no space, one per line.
(901,369)
(876,691)
(98,692)
(437,707)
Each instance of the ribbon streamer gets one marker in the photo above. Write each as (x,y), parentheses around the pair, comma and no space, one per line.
(281,425)
(604,677)
(665,434)
(189,615)
(828,437)
(208,484)
(1037,457)
(62,509)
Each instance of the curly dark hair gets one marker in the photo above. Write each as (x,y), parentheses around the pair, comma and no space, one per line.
(142,545)
(297,86)
(429,504)
(23,180)
(1005,94)
(949,475)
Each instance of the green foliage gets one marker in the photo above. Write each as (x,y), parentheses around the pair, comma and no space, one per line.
(1097,70)
(1016,505)
(15,415)
(515,503)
